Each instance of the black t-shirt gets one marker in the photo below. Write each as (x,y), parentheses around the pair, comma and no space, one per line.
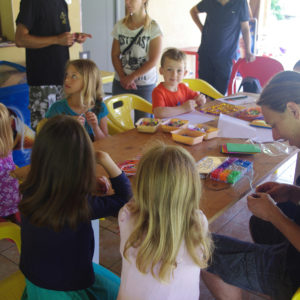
(45,66)
(222,26)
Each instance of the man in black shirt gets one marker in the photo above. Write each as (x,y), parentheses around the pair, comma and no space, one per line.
(43,28)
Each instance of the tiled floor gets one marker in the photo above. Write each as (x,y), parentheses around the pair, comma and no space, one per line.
(233,223)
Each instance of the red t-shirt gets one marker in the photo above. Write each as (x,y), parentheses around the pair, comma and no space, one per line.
(162,97)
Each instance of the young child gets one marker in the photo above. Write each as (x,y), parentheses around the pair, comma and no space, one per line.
(164,236)
(56,213)
(9,186)
(83,88)
(172,97)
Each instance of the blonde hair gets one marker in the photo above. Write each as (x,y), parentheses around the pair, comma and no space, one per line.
(167,192)
(92,84)
(148,21)
(6,134)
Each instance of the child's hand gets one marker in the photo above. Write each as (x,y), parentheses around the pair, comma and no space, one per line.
(103,185)
(104,159)
(189,105)
(80,119)
(127,82)
(200,99)
(91,118)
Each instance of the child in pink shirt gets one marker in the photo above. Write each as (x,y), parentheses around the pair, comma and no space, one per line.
(164,236)
(172,97)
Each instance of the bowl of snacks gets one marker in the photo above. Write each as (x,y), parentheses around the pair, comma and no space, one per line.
(148,125)
(173,124)
(187,136)
(210,132)
(250,114)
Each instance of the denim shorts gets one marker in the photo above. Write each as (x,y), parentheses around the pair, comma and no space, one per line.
(253,267)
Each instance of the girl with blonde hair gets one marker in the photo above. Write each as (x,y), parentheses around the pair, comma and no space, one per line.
(83,88)
(9,186)
(164,236)
(135,52)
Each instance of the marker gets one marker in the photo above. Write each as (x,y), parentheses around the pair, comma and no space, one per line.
(235,97)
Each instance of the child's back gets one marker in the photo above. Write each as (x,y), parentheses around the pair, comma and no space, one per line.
(164,236)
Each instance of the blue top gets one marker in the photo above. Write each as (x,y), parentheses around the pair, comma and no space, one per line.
(62,108)
(221,31)
(62,260)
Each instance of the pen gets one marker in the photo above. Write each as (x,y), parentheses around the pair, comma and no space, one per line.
(235,97)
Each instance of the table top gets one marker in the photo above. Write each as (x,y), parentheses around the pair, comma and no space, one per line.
(216,197)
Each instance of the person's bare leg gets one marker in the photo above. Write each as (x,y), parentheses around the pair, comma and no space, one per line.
(220,289)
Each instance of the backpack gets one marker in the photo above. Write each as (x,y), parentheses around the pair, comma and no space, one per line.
(250,85)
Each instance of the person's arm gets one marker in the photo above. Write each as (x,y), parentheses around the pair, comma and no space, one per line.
(92,120)
(154,54)
(200,99)
(115,57)
(24,39)
(195,16)
(263,206)
(246,37)
(166,111)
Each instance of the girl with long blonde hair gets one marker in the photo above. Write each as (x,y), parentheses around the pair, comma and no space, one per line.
(135,52)
(9,186)
(164,236)
(83,88)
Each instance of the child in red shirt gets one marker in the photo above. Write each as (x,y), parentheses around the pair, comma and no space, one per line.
(172,97)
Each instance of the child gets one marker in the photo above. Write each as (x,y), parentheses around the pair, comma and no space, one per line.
(172,97)
(9,186)
(164,236)
(56,213)
(135,52)
(83,88)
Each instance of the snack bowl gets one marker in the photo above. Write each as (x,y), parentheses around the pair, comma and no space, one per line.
(187,136)
(174,124)
(148,125)
(210,132)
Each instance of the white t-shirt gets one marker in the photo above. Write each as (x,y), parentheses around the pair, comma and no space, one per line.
(138,54)
(135,285)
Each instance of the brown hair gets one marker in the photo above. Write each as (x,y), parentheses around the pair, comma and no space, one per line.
(167,194)
(284,87)
(6,134)
(174,54)
(61,175)
(92,84)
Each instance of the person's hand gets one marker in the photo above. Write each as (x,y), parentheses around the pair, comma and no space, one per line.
(65,39)
(102,157)
(250,57)
(80,37)
(200,99)
(127,82)
(91,118)
(278,191)
(80,119)
(263,206)
(103,185)
(189,105)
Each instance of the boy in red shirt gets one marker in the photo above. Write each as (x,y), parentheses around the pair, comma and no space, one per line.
(172,97)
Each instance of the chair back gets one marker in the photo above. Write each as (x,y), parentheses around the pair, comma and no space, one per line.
(263,68)
(297,295)
(120,108)
(200,85)
(13,286)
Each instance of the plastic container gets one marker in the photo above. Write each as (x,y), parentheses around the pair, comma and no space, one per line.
(173,124)
(210,132)
(187,136)
(148,125)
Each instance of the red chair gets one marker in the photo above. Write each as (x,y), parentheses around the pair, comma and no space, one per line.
(263,68)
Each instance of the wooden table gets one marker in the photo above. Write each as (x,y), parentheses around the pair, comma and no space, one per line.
(216,198)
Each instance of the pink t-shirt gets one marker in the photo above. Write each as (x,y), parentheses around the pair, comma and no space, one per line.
(136,286)
(9,187)
(162,97)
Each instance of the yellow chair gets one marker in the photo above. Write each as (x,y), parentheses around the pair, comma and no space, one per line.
(297,295)
(13,286)
(121,106)
(40,125)
(203,87)
(112,128)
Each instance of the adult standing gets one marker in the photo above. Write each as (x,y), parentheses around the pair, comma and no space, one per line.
(272,264)
(43,28)
(135,52)
(225,20)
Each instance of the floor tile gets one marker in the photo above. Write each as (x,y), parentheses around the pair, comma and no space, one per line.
(109,248)
(7,267)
